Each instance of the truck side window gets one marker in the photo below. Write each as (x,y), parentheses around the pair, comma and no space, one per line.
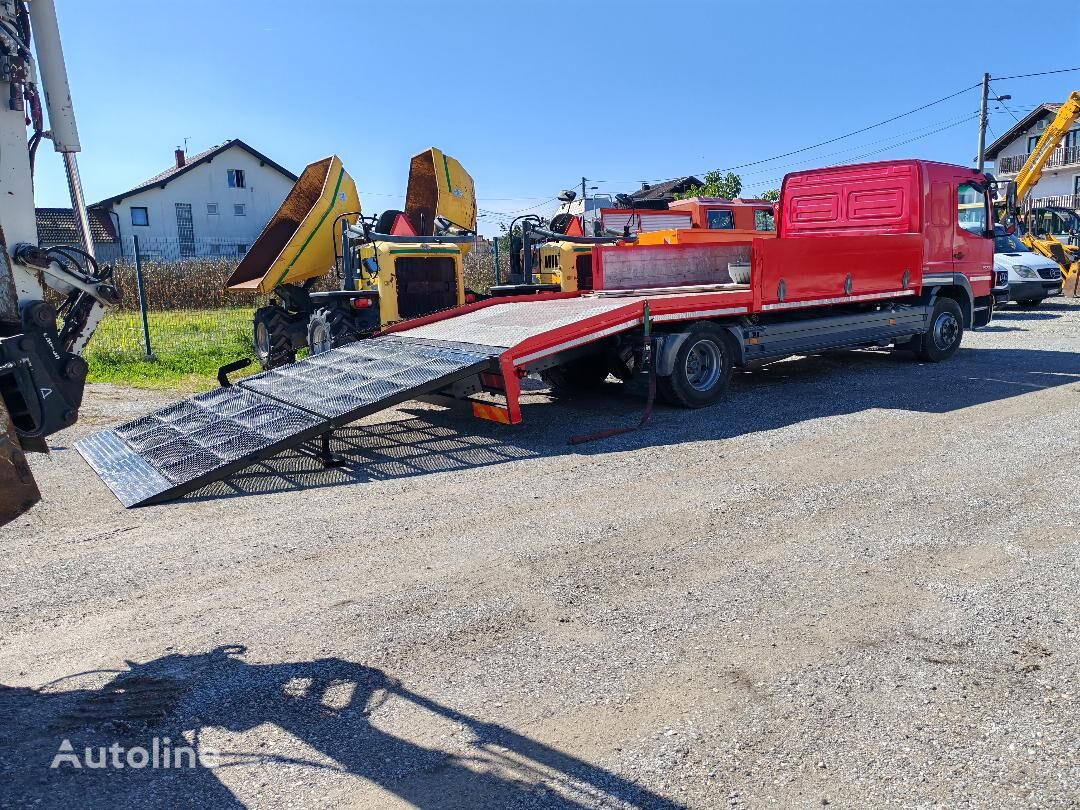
(971,209)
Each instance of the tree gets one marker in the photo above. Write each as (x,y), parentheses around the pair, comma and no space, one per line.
(772,195)
(716,184)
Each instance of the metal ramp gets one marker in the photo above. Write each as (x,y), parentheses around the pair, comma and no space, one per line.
(185,446)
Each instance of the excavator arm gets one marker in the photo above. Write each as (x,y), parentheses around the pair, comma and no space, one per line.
(42,372)
(1026,179)
(1051,139)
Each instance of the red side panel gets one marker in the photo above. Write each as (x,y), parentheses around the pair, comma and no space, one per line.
(818,269)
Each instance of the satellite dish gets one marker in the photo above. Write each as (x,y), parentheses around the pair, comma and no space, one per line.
(566,195)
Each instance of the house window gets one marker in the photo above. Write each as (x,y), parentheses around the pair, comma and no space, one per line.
(239,210)
(140,216)
(211,208)
(721,220)
(1076,185)
(1034,139)
(236,178)
(764,219)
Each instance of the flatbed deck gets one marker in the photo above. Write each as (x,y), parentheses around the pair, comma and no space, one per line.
(211,436)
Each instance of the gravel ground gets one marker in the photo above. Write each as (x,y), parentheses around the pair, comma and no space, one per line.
(854,583)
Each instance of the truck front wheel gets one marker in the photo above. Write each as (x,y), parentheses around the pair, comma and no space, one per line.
(702,369)
(942,339)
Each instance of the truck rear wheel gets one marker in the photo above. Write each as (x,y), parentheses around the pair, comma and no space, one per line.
(272,345)
(702,370)
(942,339)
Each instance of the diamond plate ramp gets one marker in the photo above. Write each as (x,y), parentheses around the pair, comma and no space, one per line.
(209,437)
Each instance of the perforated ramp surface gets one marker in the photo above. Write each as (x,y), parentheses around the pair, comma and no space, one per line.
(191,443)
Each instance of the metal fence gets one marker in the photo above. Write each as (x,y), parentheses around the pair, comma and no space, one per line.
(176,318)
(175,312)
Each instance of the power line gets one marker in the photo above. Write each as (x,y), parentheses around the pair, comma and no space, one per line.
(996,93)
(830,140)
(1029,75)
(972,117)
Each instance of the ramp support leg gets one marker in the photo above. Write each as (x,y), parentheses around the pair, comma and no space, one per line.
(326,456)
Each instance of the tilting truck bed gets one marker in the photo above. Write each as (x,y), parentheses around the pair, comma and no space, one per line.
(209,437)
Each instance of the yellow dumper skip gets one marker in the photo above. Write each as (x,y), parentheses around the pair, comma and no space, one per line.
(297,243)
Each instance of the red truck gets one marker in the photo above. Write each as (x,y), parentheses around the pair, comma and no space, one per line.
(894,253)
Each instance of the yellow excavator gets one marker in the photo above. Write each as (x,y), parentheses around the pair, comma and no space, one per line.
(1032,223)
(397,265)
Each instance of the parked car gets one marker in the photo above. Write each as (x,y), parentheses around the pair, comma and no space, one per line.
(1032,277)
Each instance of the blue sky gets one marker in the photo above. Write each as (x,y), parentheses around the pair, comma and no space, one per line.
(670,88)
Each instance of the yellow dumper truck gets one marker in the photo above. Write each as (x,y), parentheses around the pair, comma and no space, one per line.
(398,265)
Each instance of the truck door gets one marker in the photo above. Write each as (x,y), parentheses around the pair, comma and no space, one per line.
(973,246)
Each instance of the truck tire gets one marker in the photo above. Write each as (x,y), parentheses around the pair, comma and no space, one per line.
(702,370)
(1029,303)
(581,375)
(272,345)
(942,339)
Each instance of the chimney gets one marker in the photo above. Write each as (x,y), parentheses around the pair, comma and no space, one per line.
(180,158)
(645,186)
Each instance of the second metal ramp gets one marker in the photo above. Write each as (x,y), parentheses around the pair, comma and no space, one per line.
(185,446)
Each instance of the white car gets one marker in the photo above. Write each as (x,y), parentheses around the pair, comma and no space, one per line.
(1031,277)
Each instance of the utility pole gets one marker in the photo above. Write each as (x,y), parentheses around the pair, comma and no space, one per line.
(584,205)
(983,121)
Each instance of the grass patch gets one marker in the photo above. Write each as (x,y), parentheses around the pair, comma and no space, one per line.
(189,346)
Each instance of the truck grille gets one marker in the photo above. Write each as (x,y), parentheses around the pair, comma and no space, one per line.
(1050,273)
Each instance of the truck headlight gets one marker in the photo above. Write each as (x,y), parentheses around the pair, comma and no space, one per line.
(1024,271)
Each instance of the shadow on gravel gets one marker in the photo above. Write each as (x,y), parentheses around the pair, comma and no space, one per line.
(327,705)
(767,398)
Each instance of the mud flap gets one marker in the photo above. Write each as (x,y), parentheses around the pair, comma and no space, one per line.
(18,490)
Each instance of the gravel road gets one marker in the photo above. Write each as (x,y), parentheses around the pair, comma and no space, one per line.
(854,583)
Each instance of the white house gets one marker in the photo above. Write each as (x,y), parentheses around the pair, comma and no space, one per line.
(1060,181)
(214,203)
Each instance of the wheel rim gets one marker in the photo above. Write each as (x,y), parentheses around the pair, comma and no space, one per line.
(704,365)
(946,330)
(262,340)
(320,339)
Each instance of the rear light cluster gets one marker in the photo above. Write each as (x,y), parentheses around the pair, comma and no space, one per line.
(362,303)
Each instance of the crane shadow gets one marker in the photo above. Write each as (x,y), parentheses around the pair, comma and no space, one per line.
(433,440)
(337,711)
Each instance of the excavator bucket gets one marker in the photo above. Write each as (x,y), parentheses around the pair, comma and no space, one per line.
(18,490)
(439,187)
(298,242)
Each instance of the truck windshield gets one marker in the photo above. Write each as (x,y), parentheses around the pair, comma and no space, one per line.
(1008,243)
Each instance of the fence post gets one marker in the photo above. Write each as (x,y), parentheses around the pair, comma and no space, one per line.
(497,260)
(142,297)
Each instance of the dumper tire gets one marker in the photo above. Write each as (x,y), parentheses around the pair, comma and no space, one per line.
(702,369)
(946,331)
(272,345)
(581,375)
(324,332)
